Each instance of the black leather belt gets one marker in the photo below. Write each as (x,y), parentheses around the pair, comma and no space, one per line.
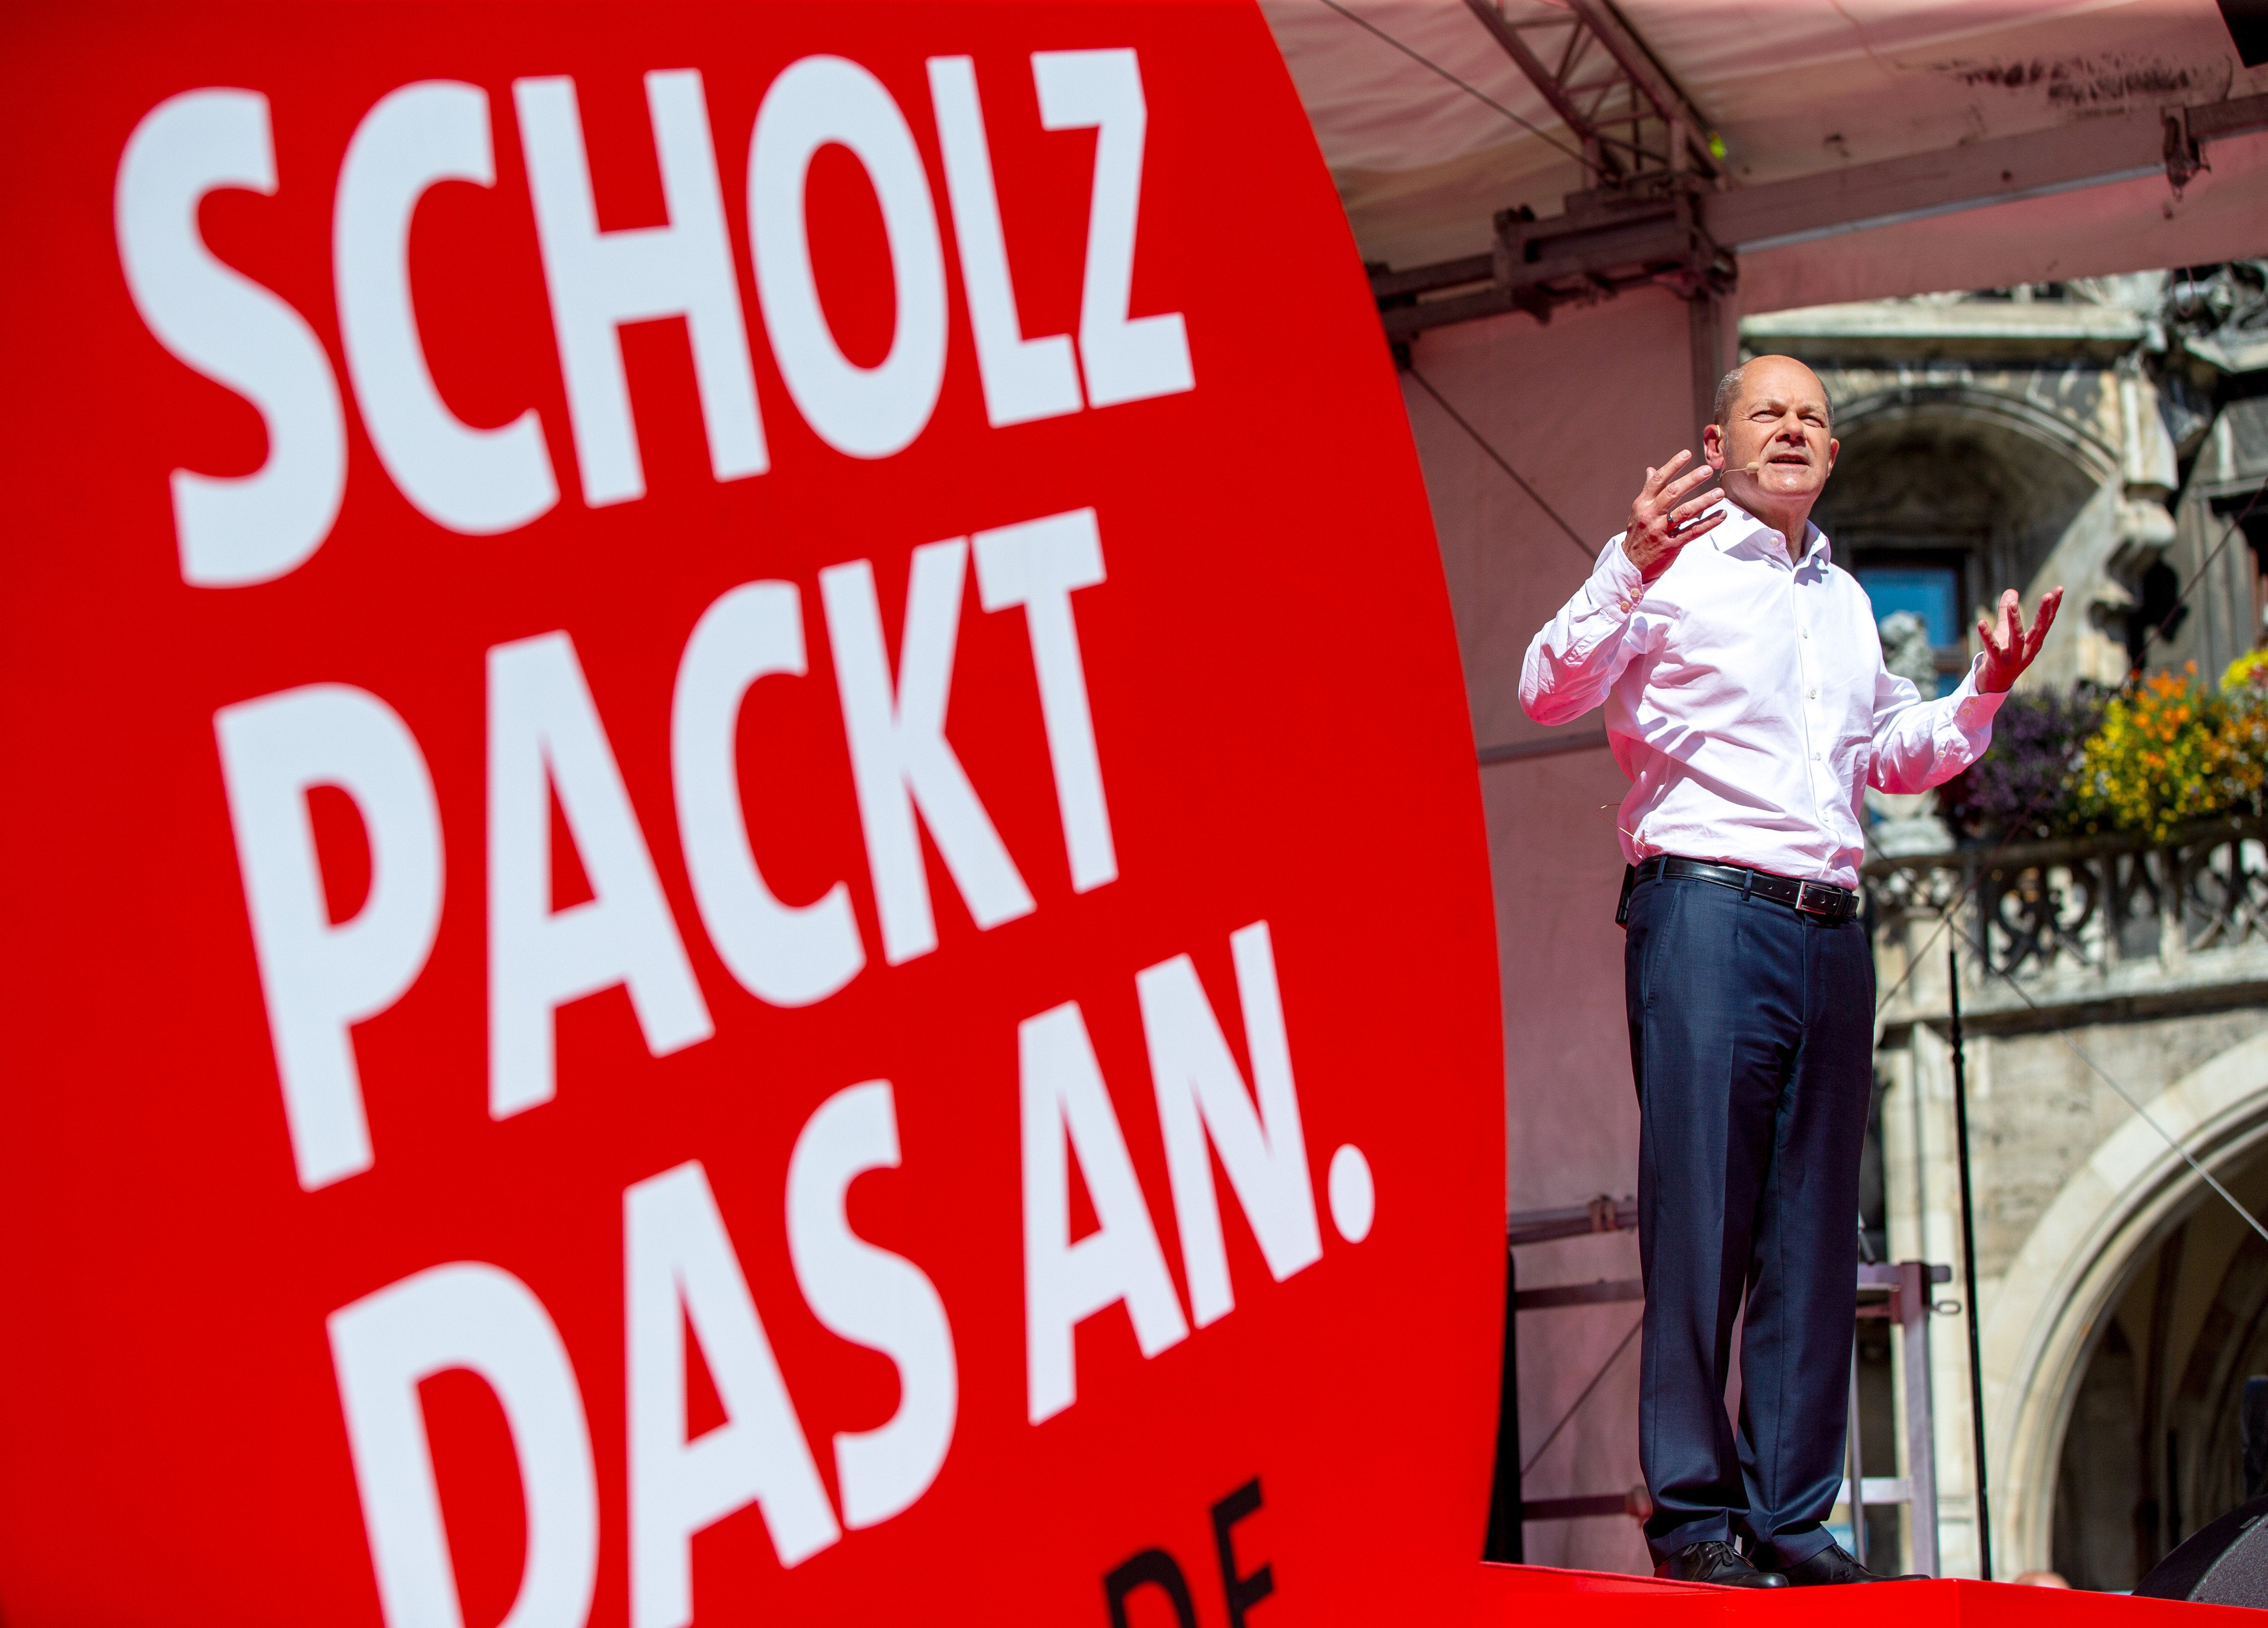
(1824,901)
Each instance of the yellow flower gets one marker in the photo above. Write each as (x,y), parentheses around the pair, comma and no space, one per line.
(2248,671)
(2169,753)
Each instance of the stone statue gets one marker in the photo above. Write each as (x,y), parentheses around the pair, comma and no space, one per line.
(1904,825)
(1907,652)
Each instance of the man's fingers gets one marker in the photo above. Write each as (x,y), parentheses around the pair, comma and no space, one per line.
(2047,615)
(2011,646)
(1686,483)
(2048,608)
(1687,509)
(1656,477)
(1709,521)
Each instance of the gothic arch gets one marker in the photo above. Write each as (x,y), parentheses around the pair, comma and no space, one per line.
(2107,1219)
(2010,481)
(1959,402)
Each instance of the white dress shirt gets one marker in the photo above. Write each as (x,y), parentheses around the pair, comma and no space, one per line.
(1747,700)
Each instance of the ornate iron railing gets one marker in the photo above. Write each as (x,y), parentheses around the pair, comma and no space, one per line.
(2033,909)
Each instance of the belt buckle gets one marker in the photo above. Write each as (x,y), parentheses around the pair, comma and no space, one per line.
(1834,900)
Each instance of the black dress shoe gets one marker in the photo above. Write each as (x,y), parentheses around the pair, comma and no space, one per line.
(1717,1562)
(1831,1565)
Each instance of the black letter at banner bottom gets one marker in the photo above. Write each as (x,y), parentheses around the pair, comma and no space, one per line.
(1242,1592)
(1151,1565)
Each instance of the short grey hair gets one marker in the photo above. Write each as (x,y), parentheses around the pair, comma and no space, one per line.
(1728,391)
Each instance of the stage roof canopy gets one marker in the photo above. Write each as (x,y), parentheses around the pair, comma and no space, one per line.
(1840,149)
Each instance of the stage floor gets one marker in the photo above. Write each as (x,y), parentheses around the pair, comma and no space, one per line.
(1515,1593)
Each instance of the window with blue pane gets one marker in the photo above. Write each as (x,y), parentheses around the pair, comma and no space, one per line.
(1930,592)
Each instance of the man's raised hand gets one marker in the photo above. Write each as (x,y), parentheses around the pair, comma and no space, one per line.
(1661,524)
(2008,648)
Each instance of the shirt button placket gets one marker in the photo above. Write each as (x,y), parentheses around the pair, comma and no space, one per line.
(1814,725)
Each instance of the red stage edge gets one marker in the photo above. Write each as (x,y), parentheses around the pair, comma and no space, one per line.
(1518,1595)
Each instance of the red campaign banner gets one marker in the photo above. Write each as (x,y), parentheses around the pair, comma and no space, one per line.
(744,862)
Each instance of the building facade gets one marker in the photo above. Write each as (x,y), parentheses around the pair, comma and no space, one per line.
(2103,435)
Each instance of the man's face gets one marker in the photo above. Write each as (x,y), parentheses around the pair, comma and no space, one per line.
(1779,423)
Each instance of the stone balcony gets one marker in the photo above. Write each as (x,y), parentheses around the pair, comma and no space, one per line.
(2083,931)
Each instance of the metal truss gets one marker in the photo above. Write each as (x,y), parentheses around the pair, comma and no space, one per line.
(1649,156)
(1605,86)
(1658,207)
(1673,228)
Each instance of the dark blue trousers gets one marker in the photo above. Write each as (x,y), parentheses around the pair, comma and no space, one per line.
(1752,1041)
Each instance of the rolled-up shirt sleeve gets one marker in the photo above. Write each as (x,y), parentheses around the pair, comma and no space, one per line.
(1574,659)
(1919,744)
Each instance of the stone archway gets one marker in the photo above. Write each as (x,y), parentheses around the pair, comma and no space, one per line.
(2064,430)
(2050,1306)
(2014,477)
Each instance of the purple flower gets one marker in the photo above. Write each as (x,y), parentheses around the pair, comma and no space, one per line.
(2021,788)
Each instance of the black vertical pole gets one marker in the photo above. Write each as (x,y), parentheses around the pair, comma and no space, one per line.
(1507,1516)
(1968,1261)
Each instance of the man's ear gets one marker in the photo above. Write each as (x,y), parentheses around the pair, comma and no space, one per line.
(1833,448)
(1713,446)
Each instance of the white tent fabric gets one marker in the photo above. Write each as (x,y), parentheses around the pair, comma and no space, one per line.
(1795,87)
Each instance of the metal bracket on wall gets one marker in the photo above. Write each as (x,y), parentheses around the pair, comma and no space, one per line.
(1648,235)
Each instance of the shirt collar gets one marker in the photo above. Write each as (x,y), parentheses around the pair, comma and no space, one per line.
(1740,527)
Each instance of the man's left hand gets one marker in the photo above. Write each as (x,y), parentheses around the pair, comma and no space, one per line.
(2008,648)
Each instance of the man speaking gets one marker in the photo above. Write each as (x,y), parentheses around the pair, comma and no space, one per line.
(1747,700)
